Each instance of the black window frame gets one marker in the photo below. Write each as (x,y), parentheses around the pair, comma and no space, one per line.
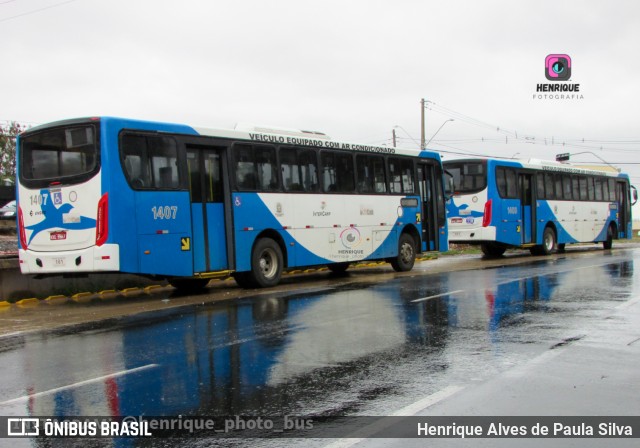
(342,184)
(372,163)
(149,181)
(73,179)
(405,165)
(298,154)
(249,155)
(507,182)
(457,170)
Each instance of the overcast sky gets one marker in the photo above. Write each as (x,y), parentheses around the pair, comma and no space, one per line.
(353,69)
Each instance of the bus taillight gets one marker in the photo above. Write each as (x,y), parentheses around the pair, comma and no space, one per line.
(486,219)
(23,233)
(102,221)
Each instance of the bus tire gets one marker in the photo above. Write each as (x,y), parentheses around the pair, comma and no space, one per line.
(244,280)
(608,243)
(189,285)
(549,242)
(406,254)
(492,250)
(266,263)
(338,268)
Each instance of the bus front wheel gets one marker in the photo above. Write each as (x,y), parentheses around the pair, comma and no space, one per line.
(608,243)
(406,254)
(266,263)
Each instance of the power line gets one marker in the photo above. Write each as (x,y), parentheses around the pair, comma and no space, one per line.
(35,11)
(531,139)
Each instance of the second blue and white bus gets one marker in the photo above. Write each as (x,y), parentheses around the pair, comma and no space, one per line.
(539,205)
(188,204)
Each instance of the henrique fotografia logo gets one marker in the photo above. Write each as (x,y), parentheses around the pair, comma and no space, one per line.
(557,67)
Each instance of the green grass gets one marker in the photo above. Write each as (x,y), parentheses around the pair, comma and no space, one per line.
(463,249)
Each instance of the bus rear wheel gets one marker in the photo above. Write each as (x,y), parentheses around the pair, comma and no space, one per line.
(406,254)
(338,268)
(189,285)
(266,263)
(492,250)
(549,243)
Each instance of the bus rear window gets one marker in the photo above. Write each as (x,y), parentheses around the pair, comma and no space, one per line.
(468,177)
(60,154)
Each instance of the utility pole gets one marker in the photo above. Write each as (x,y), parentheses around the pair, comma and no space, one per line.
(422,139)
(393,131)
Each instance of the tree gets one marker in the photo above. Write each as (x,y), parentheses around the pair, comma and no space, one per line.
(8,135)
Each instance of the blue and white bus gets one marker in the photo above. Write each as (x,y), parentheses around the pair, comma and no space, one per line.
(189,204)
(539,205)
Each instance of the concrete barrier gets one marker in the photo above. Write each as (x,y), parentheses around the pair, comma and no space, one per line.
(15,286)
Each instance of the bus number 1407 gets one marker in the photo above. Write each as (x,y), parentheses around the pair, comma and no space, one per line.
(166,212)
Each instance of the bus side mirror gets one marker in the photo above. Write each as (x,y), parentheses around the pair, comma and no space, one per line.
(449,186)
(634,195)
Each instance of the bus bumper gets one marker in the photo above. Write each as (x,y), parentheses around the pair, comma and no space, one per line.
(93,259)
(472,235)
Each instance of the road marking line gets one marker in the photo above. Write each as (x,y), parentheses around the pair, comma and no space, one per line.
(407,411)
(424,299)
(78,384)
(426,402)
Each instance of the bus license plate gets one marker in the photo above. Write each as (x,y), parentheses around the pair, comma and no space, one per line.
(58,261)
(57,236)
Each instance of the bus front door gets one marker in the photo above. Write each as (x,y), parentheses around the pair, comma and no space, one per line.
(527,218)
(206,185)
(432,198)
(622,198)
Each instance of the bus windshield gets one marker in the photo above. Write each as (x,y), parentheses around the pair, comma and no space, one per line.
(468,177)
(67,155)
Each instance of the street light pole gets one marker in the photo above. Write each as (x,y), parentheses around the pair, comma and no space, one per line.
(422,144)
(441,126)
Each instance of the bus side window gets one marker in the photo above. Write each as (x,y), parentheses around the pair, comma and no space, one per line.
(365,173)
(575,187)
(566,186)
(266,168)
(591,189)
(163,155)
(328,172)
(380,183)
(598,188)
(612,190)
(512,183)
(549,186)
(245,169)
(501,182)
(540,182)
(395,176)
(308,163)
(408,177)
(605,189)
(346,174)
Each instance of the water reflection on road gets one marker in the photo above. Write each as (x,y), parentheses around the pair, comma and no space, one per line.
(363,348)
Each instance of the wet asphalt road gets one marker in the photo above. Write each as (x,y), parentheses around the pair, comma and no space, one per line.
(367,348)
